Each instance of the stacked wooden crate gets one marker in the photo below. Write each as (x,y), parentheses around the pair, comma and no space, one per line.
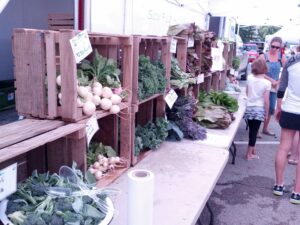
(154,106)
(40,55)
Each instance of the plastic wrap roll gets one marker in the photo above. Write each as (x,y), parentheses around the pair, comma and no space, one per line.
(140,197)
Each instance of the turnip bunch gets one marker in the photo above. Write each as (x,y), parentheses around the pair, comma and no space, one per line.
(92,95)
(103,165)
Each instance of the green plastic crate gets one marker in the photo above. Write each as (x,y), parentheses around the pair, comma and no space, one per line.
(7,95)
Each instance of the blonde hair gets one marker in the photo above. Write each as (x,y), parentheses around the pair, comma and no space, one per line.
(276,39)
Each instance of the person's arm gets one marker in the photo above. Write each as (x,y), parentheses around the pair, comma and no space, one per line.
(267,101)
(281,90)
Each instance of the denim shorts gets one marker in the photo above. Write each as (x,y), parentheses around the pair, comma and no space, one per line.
(273,98)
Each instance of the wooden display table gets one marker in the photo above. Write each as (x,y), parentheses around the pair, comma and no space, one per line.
(185,175)
(41,144)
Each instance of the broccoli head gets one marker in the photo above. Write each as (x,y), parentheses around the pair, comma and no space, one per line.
(34,219)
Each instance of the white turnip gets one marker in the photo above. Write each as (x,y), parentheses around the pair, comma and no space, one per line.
(106,103)
(96,100)
(115,99)
(82,91)
(89,108)
(106,92)
(58,80)
(114,109)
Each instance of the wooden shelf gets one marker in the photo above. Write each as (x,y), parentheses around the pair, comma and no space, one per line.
(150,98)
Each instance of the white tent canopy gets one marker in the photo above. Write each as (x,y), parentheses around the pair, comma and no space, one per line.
(254,12)
(288,33)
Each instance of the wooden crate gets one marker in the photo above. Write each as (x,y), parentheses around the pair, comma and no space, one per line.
(223,75)
(57,21)
(181,56)
(114,131)
(154,106)
(39,56)
(44,145)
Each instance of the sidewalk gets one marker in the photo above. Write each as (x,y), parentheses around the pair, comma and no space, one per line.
(243,194)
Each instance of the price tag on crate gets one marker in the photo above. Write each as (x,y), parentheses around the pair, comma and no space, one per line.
(173,46)
(81,46)
(171,98)
(8,181)
(191,42)
(200,78)
(91,128)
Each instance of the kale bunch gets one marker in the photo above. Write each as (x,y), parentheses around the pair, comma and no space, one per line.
(151,77)
(182,114)
(151,135)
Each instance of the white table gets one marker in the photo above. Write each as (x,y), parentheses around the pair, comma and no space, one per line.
(185,175)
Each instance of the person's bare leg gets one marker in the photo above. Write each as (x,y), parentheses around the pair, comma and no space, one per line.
(286,139)
(297,183)
(293,159)
(266,125)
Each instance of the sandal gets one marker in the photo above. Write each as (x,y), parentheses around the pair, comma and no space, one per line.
(268,133)
(293,161)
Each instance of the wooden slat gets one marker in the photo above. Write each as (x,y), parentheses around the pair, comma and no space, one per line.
(64,22)
(127,64)
(27,145)
(55,16)
(78,152)
(126,135)
(181,53)
(110,177)
(30,72)
(135,68)
(51,74)
(57,154)
(166,59)
(68,77)
(16,133)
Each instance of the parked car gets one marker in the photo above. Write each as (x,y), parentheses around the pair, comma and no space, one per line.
(252,51)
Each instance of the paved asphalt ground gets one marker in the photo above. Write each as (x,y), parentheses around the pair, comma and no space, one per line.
(243,194)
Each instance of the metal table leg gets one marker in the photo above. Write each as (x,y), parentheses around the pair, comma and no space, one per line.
(232,150)
(211,222)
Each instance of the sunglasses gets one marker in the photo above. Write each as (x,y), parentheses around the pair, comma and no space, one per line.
(273,46)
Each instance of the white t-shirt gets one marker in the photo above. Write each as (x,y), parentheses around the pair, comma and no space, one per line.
(292,95)
(257,85)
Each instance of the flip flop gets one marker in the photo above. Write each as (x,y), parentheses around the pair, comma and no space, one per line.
(268,133)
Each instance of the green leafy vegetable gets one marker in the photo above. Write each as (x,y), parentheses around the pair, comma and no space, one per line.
(151,77)
(101,69)
(151,135)
(179,78)
(96,149)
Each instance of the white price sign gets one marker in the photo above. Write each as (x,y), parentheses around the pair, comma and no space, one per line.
(200,78)
(8,181)
(191,42)
(91,128)
(173,46)
(81,46)
(171,98)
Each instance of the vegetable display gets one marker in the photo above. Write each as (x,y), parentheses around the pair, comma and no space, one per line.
(215,109)
(151,77)
(182,114)
(179,78)
(151,135)
(52,199)
(219,98)
(99,86)
(103,159)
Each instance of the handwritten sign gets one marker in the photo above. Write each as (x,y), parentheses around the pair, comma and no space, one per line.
(171,98)
(81,46)
(191,42)
(91,128)
(200,78)
(8,181)
(173,46)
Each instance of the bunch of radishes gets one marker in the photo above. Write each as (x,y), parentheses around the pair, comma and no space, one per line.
(95,96)
(104,164)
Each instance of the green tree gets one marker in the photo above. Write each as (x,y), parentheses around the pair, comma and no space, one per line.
(248,33)
(262,31)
